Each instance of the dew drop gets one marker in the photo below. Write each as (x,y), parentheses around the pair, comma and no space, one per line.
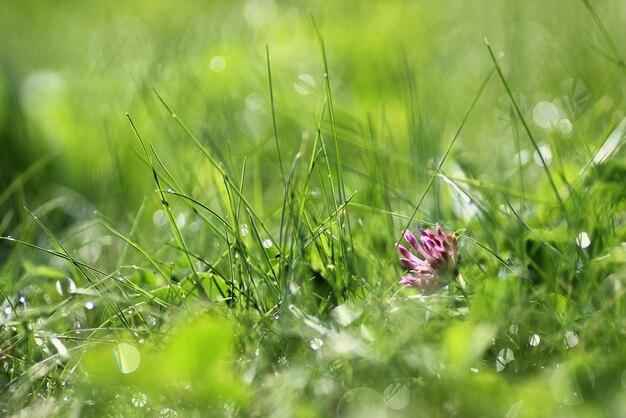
(276,317)
(139,400)
(582,240)
(267,243)
(534,340)
(522,157)
(159,218)
(545,115)
(254,101)
(304,85)
(66,287)
(89,305)
(545,152)
(571,339)
(367,334)
(10,238)
(397,396)
(8,310)
(181,220)
(506,355)
(565,126)
(317,343)
(168,413)
(60,347)
(243,229)
(127,357)
(217,64)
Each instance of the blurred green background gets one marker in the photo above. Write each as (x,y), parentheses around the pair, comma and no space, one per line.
(403,75)
(403,71)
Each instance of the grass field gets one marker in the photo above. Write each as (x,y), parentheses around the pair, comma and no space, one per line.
(201,203)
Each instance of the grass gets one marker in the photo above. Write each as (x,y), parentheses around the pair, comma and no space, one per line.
(227,248)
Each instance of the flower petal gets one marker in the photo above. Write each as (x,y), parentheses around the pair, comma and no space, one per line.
(410,238)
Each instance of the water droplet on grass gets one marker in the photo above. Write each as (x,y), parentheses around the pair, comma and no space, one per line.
(545,115)
(217,64)
(139,400)
(565,126)
(10,238)
(89,305)
(582,240)
(397,396)
(317,343)
(304,85)
(571,339)
(267,243)
(507,355)
(546,153)
(367,334)
(127,357)
(60,347)
(534,341)
(254,101)
(181,220)
(66,287)
(522,157)
(243,229)
(159,218)
(168,413)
